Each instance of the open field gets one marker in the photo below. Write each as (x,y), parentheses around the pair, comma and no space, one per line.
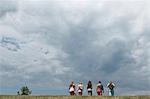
(73,97)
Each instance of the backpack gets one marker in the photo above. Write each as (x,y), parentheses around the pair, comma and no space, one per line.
(110,86)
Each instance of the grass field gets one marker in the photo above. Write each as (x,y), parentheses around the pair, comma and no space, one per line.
(73,97)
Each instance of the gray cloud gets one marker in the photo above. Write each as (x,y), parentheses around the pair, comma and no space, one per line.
(7,6)
(62,41)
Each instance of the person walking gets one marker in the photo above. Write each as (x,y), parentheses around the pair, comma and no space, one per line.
(110,87)
(89,88)
(99,89)
(72,88)
(80,89)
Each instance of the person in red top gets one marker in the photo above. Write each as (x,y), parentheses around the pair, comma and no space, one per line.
(99,89)
(72,88)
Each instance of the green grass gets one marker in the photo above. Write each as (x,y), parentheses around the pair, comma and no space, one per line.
(72,97)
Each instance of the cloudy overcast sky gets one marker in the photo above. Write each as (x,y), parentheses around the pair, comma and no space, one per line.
(45,44)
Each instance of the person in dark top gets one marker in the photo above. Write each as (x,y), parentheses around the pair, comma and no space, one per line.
(89,88)
(110,87)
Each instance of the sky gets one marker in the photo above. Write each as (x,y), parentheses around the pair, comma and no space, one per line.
(46,44)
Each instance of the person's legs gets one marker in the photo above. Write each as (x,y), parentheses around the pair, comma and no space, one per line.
(71,93)
(79,93)
(91,93)
(88,93)
(112,92)
(98,93)
(109,93)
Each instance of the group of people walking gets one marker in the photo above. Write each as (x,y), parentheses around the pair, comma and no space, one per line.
(99,88)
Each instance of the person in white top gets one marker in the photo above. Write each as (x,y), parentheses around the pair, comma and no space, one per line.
(110,87)
(80,89)
(72,88)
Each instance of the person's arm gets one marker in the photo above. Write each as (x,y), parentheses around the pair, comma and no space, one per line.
(102,88)
(78,87)
(113,84)
(96,88)
(69,87)
(74,88)
(108,85)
